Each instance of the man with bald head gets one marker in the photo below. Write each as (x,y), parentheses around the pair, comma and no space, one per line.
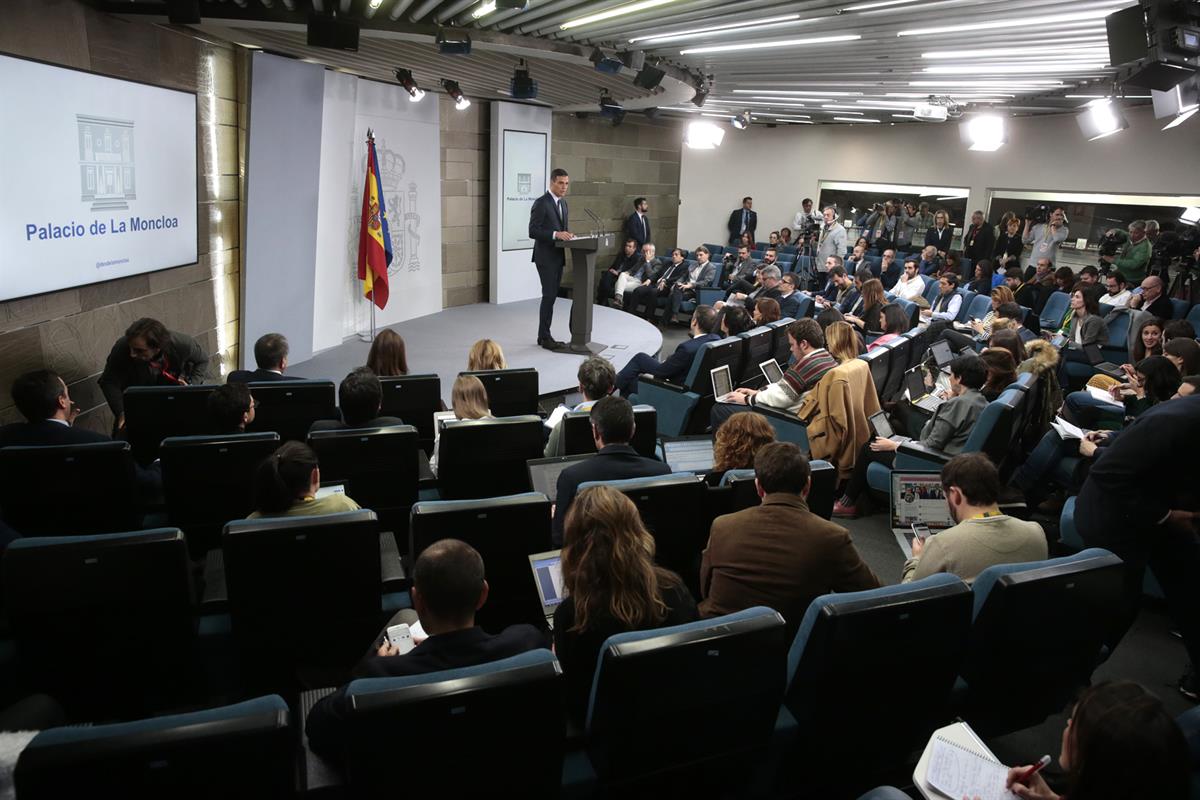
(1152,297)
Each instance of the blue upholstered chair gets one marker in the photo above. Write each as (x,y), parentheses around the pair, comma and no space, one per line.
(854,658)
(680,410)
(505,531)
(577,436)
(1116,349)
(879,360)
(379,465)
(1054,310)
(980,305)
(1179,308)
(506,720)
(123,599)
(511,392)
(653,706)
(932,288)
(289,408)
(152,413)
(968,297)
(1063,611)
(899,351)
(781,348)
(241,750)
(788,427)
(820,494)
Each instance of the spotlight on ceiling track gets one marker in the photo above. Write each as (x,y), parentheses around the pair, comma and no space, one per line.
(634,59)
(405,77)
(703,87)
(984,132)
(452,88)
(523,87)
(649,78)
(609,65)
(609,108)
(1178,104)
(1101,118)
(703,135)
(453,43)
(741,121)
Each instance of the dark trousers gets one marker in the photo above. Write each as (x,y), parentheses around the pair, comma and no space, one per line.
(675,301)
(858,478)
(551,276)
(740,285)
(627,378)
(608,285)
(959,341)
(642,296)
(1174,558)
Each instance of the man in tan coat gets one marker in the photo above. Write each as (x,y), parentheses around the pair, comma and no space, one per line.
(778,554)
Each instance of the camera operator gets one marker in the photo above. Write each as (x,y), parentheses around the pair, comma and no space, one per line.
(807,219)
(1045,236)
(880,226)
(1134,255)
(919,221)
(831,241)
(904,228)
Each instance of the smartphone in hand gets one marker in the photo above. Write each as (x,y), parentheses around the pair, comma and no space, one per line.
(400,637)
(920,530)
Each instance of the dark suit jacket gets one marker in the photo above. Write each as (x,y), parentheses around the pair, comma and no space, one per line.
(1161,307)
(45,433)
(778,554)
(735,223)
(457,649)
(942,242)
(258,376)
(338,425)
(889,278)
(613,463)
(848,302)
(672,273)
(675,368)
(985,243)
(790,306)
(633,230)
(183,359)
(543,222)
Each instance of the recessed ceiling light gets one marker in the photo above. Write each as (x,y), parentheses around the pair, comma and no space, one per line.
(793,92)
(1082,50)
(615,11)
(757,24)
(1031,23)
(729,48)
(1008,69)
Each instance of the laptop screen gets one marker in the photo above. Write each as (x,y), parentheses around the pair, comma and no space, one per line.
(771,370)
(689,455)
(544,472)
(918,497)
(721,382)
(547,574)
(942,352)
(879,422)
(914,381)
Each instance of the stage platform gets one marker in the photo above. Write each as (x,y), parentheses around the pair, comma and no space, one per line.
(438,343)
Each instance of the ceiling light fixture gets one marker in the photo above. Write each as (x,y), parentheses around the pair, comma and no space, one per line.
(1008,69)
(405,77)
(782,92)
(880,4)
(609,13)
(741,121)
(1101,118)
(855,119)
(1099,48)
(523,87)
(453,43)
(731,48)
(704,135)
(1031,23)
(757,24)
(484,10)
(1025,84)
(984,132)
(455,91)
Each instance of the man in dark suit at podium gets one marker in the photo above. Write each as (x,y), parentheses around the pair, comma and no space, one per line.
(547,226)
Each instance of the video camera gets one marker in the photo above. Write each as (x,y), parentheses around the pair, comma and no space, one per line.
(1039,214)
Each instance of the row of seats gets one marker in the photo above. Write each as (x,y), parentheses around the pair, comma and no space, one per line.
(831,709)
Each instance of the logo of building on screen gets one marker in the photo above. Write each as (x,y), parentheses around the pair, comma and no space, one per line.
(524,183)
(106,171)
(400,202)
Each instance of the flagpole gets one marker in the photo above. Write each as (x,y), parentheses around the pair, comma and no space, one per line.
(370,337)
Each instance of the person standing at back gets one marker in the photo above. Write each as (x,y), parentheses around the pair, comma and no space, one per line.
(637,225)
(743,220)
(548,225)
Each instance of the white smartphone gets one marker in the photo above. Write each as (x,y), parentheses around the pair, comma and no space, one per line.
(400,637)
(919,529)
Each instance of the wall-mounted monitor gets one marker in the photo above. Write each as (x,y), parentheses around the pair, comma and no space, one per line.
(98,178)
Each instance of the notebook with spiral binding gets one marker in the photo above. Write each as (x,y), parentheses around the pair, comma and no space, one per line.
(956,764)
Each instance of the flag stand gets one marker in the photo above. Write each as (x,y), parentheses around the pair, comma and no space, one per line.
(370,337)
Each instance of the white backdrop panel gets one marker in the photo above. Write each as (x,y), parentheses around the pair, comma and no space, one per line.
(517,179)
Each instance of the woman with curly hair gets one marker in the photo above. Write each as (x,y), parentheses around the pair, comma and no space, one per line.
(737,441)
(612,586)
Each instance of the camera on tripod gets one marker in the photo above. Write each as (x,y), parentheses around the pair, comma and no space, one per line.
(1109,245)
(1039,214)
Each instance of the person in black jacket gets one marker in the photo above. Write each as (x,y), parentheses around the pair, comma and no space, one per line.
(637,225)
(660,284)
(625,261)
(548,224)
(43,399)
(612,428)
(675,368)
(1008,248)
(743,220)
(360,398)
(978,239)
(271,356)
(150,355)
(449,586)
(941,235)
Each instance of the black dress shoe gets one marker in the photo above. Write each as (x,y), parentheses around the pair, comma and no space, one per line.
(552,344)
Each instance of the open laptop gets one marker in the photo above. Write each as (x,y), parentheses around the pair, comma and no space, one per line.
(917,497)
(689,454)
(544,472)
(918,394)
(771,370)
(547,576)
(942,354)
(879,422)
(722,382)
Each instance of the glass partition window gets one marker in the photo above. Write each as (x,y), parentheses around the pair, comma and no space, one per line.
(855,201)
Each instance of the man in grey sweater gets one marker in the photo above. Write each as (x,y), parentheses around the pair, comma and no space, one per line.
(984,536)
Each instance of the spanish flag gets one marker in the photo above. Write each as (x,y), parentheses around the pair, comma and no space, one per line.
(374,243)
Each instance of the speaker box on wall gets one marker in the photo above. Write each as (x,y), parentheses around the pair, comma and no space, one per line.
(336,34)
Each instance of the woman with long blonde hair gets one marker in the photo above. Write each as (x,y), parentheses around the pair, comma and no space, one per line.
(468,398)
(612,586)
(841,341)
(485,354)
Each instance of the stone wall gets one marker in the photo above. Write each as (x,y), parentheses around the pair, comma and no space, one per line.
(71,331)
(610,166)
(465,159)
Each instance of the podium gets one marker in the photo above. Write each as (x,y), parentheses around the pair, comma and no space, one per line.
(583,264)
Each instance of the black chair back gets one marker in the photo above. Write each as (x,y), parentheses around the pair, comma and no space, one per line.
(758,346)
(918,348)
(486,457)
(379,465)
(209,480)
(577,432)
(781,348)
(726,352)
(505,531)
(67,490)
(152,413)
(821,493)
(243,750)
(304,592)
(105,624)
(289,408)
(893,385)
(414,399)
(878,360)
(511,392)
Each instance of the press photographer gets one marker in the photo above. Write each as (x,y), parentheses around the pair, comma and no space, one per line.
(1134,256)
(1045,230)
